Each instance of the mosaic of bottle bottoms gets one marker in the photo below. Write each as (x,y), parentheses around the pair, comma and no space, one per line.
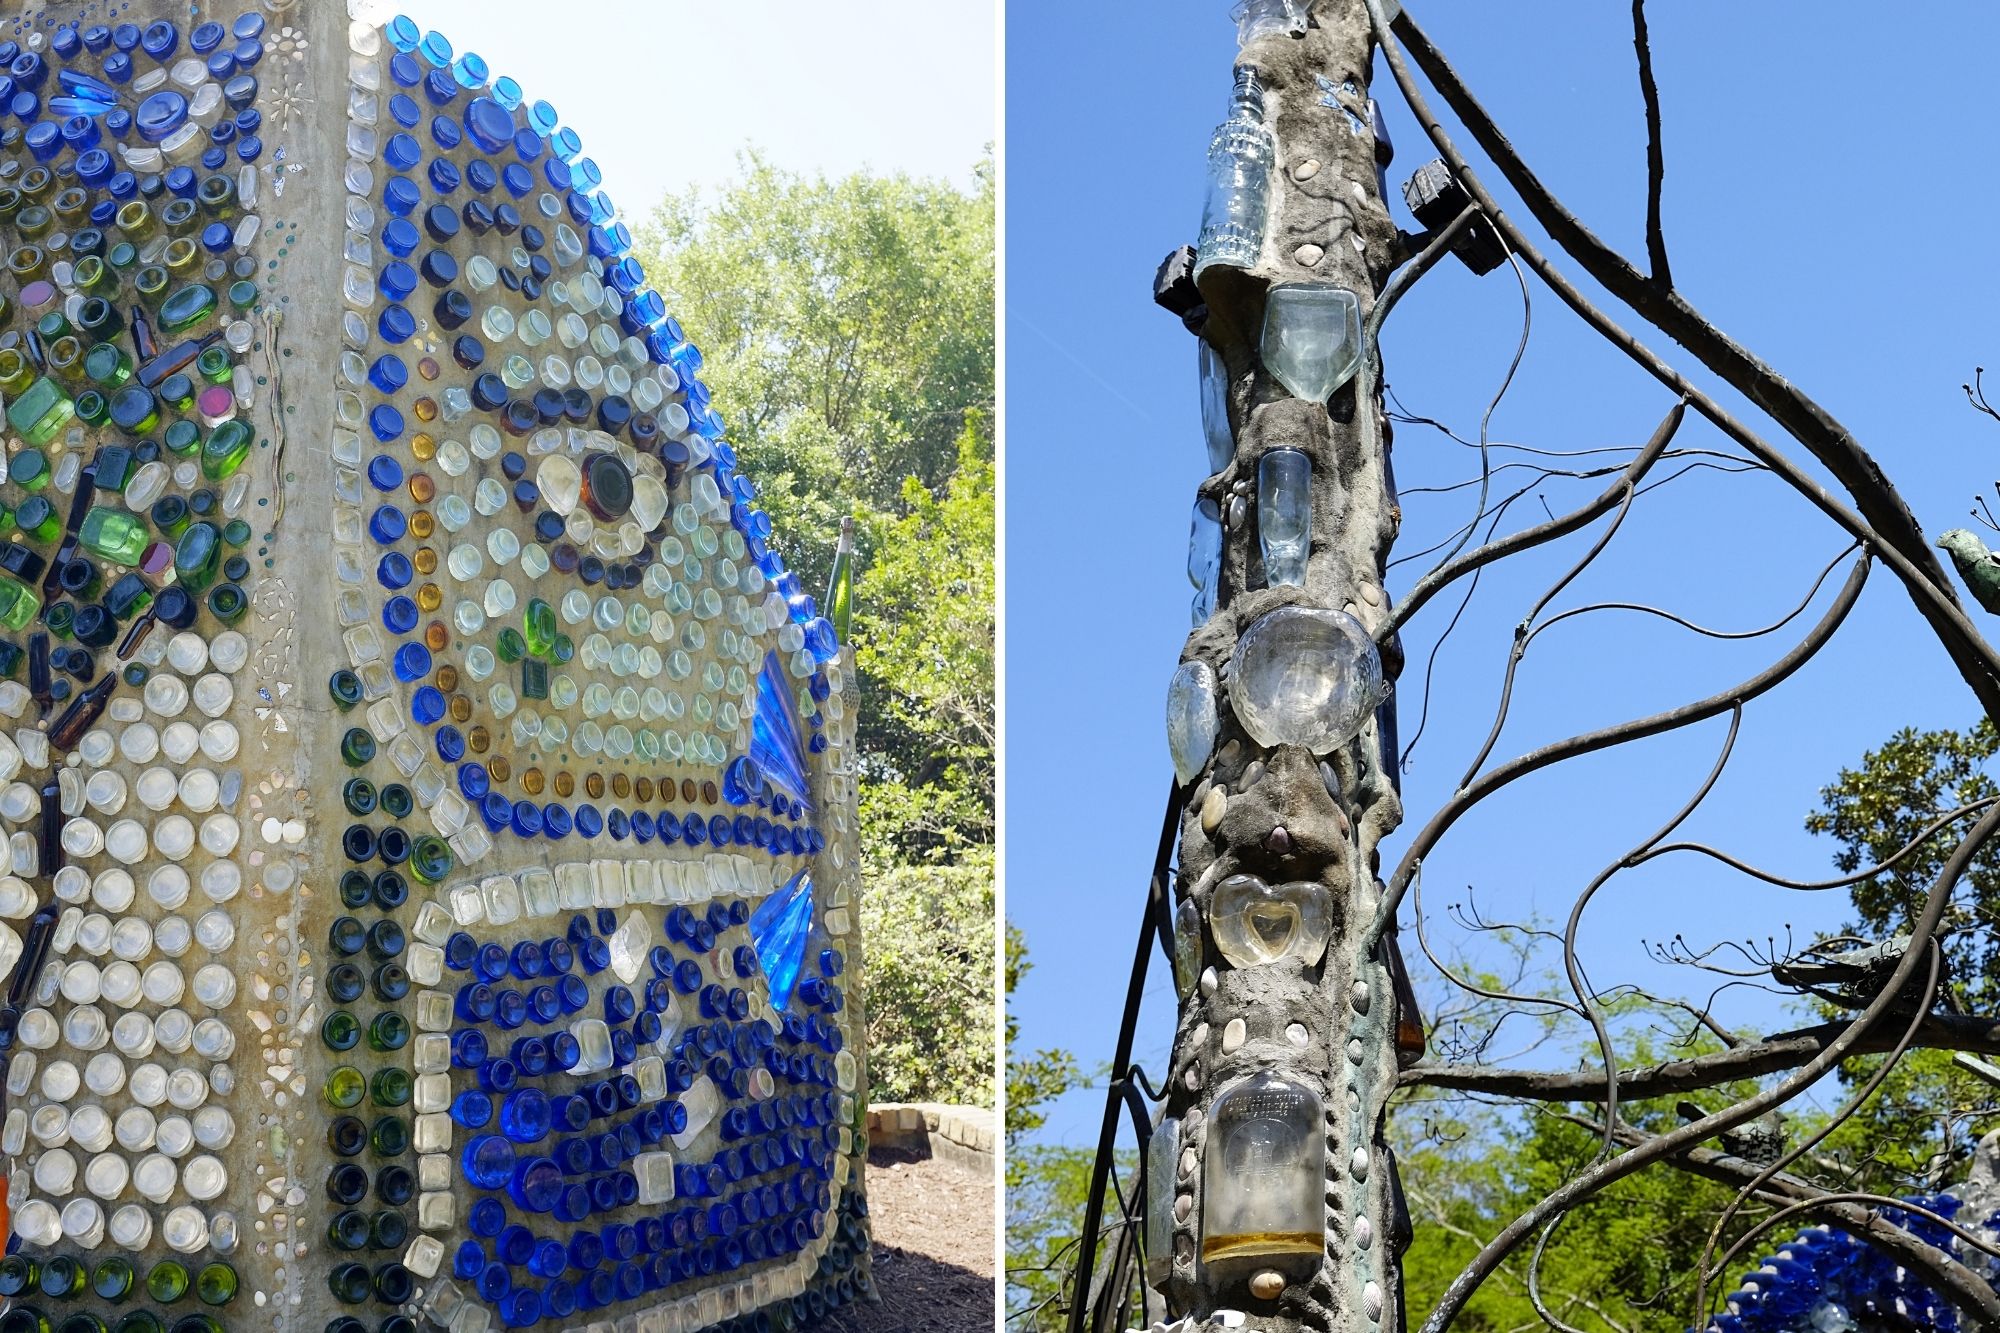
(428,795)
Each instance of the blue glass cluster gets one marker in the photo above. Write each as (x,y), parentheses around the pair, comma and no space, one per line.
(1826,1281)
(553,1232)
(469,160)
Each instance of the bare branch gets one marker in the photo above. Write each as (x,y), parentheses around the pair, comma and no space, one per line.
(1656,158)
(1436,581)
(1785,1050)
(1884,520)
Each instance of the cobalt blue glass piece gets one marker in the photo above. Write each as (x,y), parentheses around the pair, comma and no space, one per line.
(160,40)
(556,820)
(400,237)
(395,570)
(160,115)
(444,176)
(427,705)
(774,735)
(386,423)
(779,930)
(469,1261)
(44,140)
(406,70)
(396,324)
(439,89)
(445,133)
(222,66)
(206,38)
(403,33)
(405,111)
(387,524)
(413,663)
(402,151)
(399,615)
(488,1162)
(248,52)
(473,1109)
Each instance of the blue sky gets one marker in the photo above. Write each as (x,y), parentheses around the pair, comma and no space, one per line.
(1822,207)
(813,87)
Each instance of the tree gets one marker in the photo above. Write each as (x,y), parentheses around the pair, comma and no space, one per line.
(848,330)
(850,324)
(1310,818)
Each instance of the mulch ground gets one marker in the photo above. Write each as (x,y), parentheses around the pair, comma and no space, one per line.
(933,1249)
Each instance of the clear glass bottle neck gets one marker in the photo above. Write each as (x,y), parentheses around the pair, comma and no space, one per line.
(1248,95)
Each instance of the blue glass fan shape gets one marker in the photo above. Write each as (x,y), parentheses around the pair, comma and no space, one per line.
(774,734)
(779,930)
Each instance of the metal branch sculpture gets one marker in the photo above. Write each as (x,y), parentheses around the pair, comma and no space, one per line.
(1270,1195)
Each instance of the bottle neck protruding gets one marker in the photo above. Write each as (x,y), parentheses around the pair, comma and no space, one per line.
(846,545)
(1248,95)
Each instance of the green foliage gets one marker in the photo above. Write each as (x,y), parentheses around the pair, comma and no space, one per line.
(1919,1129)
(1621,1261)
(927,947)
(1875,810)
(924,622)
(848,329)
(1047,1188)
(848,334)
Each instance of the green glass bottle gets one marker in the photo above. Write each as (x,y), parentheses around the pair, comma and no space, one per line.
(24,1319)
(19,604)
(345,687)
(357,747)
(39,415)
(213,364)
(358,795)
(17,1274)
(539,627)
(346,1135)
(197,1323)
(81,1322)
(187,307)
(113,1279)
(389,1031)
(108,364)
(340,1030)
(348,1283)
(197,556)
(345,1087)
(348,1230)
(227,602)
(167,1282)
(511,646)
(115,535)
(840,586)
(390,1087)
(390,1136)
(62,1277)
(29,470)
(139,1321)
(38,520)
(430,858)
(224,451)
(216,1284)
(389,1230)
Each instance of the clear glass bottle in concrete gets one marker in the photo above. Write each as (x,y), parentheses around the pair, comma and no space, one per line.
(1204,565)
(1284,516)
(1215,429)
(1163,1152)
(1241,159)
(1263,1176)
(1312,338)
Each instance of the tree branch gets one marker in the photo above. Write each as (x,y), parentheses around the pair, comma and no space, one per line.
(1656,158)
(1882,507)
(1785,1050)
